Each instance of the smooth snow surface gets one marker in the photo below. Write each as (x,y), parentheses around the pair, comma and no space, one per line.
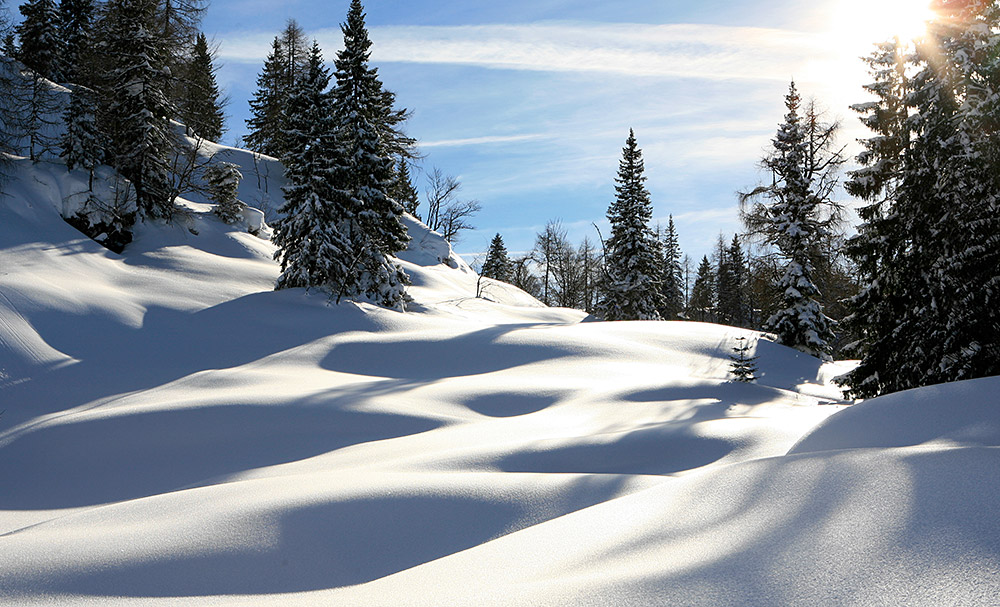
(178,433)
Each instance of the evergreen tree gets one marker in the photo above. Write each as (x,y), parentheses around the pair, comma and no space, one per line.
(136,113)
(41,44)
(223,187)
(313,236)
(359,105)
(497,265)
(403,189)
(803,164)
(267,108)
(200,104)
(731,284)
(673,278)
(76,19)
(743,365)
(701,305)
(634,267)
(81,141)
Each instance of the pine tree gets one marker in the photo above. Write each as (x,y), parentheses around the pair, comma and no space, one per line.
(314,234)
(200,103)
(743,365)
(364,127)
(81,141)
(673,278)
(403,189)
(803,164)
(701,305)
(136,113)
(267,108)
(41,44)
(497,265)
(634,266)
(731,284)
(223,187)
(76,19)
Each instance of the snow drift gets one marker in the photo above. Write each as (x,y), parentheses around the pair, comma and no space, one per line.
(178,433)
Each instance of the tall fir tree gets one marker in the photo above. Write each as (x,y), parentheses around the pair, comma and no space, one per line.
(200,104)
(76,20)
(41,44)
(284,67)
(633,263)
(731,284)
(403,190)
(796,217)
(497,264)
(673,277)
(701,304)
(313,238)
(81,140)
(364,127)
(136,113)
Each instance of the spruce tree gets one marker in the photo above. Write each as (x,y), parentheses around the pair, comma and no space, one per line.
(731,283)
(223,187)
(364,127)
(403,189)
(633,265)
(795,219)
(267,108)
(76,20)
(137,113)
(200,103)
(743,365)
(81,140)
(314,236)
(497,264)
(41,44)
(673,278)
(701,305)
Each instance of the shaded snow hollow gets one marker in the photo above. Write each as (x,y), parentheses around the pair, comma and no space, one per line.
(176,433)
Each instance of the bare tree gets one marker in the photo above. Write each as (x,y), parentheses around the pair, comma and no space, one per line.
(445,212)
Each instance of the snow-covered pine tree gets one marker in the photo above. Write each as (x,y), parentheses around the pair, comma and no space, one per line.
(318,233)
(136,112)
(798,214)
(497,264)
(701,304)
(880,246)
(81,141)
(284,67)
(199,107)
(633,290)
(365,129)
(673,278)
(743,365)
(267,108)
(223,187)
(76,18)
(41,45)
(731,284)
(403,189)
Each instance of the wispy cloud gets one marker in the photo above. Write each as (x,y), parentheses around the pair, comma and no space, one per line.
(678,50)
(487,140)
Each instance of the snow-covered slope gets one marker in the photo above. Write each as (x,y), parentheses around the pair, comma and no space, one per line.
(178,433)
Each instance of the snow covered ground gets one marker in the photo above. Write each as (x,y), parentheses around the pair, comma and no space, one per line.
(175,432)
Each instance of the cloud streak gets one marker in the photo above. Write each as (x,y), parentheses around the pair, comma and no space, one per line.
(672,50)
(486,140)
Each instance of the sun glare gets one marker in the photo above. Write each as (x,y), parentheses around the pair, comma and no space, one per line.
(876,20)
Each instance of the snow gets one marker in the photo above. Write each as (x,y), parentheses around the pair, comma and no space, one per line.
(177,433)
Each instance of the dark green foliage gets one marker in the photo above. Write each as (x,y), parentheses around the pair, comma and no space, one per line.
(41,44)
(403,190)
(673,278)
(223,187)
(76,20)
(284,67)
(497,264)
(633,261)
(744,365)
(731,276)
(701,305)
(199,106)
(81,141)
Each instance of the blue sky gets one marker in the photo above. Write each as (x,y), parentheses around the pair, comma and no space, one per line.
(528,103)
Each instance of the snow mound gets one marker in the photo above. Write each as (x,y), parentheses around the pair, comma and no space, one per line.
(957,414)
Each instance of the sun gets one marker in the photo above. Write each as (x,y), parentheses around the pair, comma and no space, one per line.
(876,20)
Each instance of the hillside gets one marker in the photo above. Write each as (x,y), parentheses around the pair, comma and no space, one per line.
(176,432)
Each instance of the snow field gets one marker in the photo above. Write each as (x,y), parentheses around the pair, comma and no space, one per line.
(176,433)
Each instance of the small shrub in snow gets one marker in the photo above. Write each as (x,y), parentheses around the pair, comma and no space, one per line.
(743,366)
(223,186)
